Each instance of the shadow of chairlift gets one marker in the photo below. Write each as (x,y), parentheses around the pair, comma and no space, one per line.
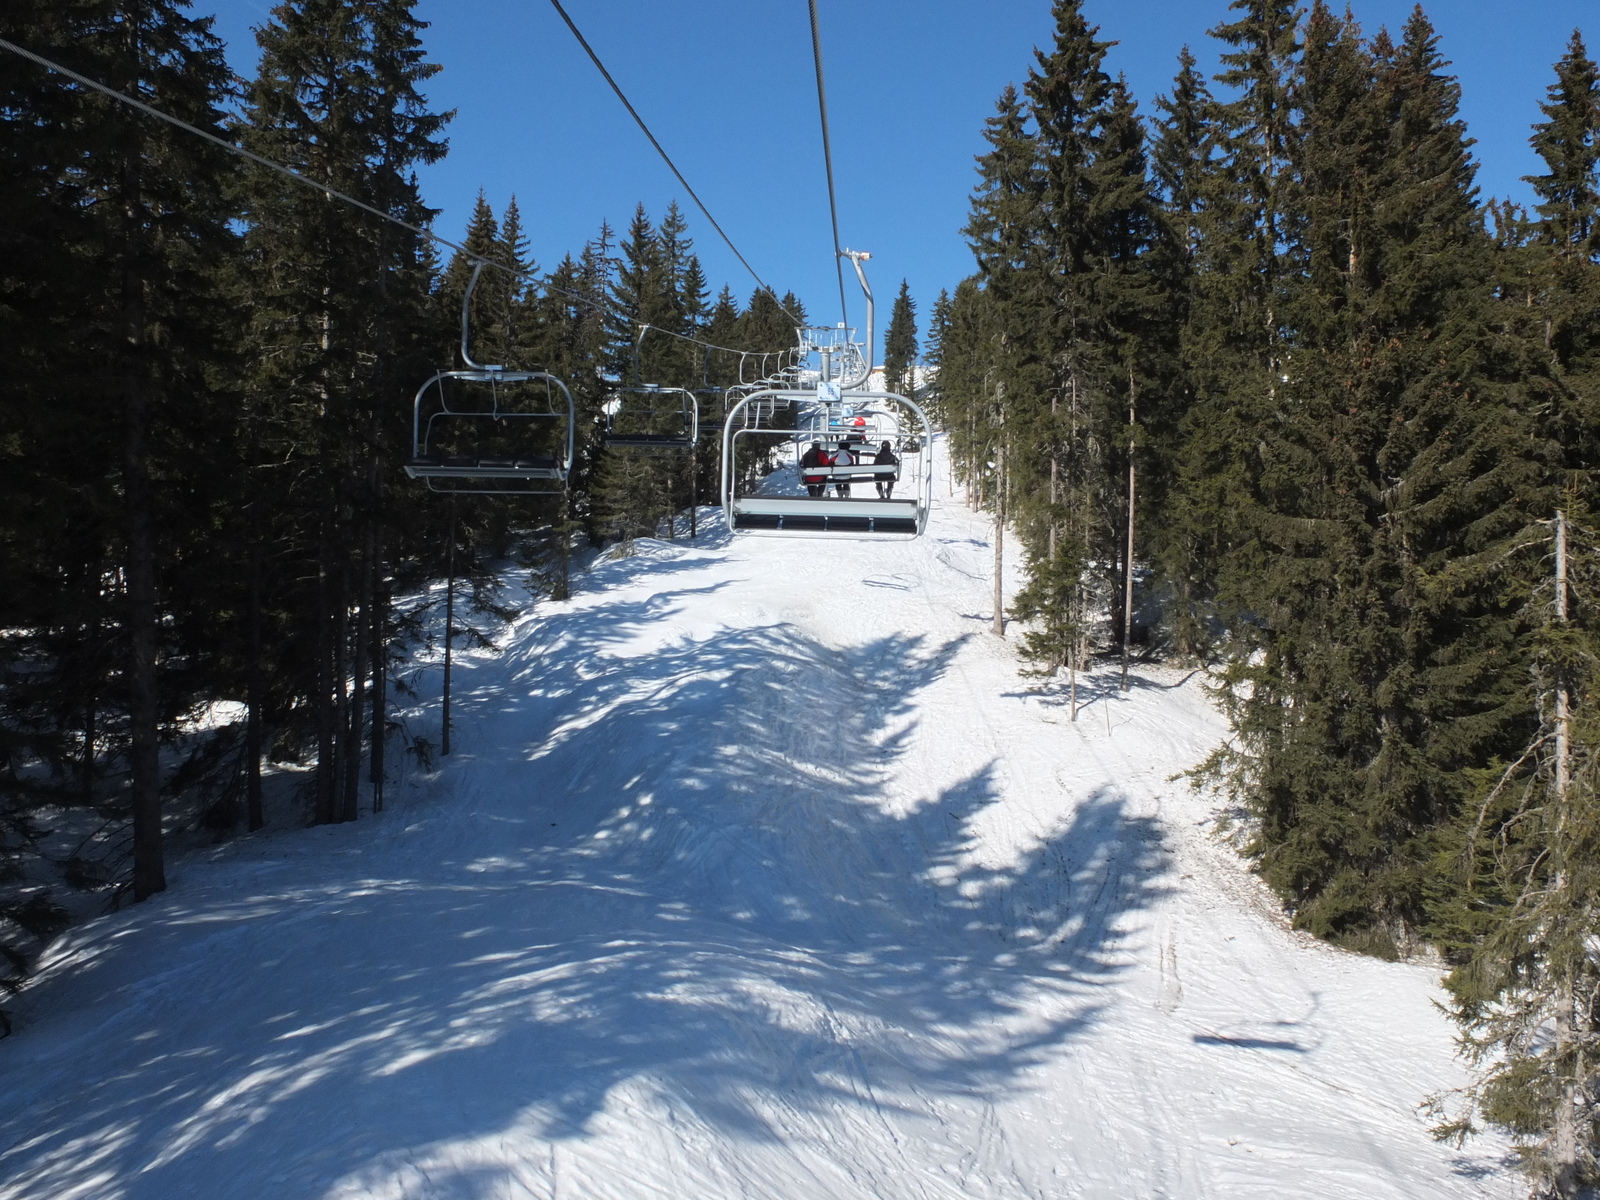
(490,431)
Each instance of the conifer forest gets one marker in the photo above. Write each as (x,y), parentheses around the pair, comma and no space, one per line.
(1252,379)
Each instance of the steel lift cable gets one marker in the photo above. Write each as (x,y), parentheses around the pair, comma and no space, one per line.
(666,158)
(827,158)
(298,177)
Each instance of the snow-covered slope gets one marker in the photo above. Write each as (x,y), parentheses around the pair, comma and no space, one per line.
(758,872)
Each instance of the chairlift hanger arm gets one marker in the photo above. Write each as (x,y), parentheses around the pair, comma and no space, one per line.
(857,257)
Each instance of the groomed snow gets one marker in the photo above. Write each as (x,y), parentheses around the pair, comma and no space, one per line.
(758,872)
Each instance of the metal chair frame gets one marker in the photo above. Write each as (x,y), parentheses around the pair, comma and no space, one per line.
(685,414)
(809,516)
(493,474)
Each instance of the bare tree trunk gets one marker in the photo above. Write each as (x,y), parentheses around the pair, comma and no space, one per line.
(341,687)
(86,778)
(999,540)
(564,547)
(326,751)
(1565,1136)
(1127,563)
(149,873)
(358,683)
(1055,479)
(253,815)
(449,628)
(380,673)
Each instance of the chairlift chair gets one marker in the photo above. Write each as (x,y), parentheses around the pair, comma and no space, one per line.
(489,430)
(826,411)
(859,516)
(652,420)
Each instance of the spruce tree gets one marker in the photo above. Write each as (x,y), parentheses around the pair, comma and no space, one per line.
(1181,159)
(1393,466)
(1233,335)
(1564,263)
(490,298)
(116,238)
(933,353)
(900,345)
(340,329)
(1522,922)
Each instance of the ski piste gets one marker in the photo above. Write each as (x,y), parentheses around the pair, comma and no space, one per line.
(758,871)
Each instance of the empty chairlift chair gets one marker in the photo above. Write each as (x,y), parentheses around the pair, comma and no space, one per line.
(652,420)
(487,430)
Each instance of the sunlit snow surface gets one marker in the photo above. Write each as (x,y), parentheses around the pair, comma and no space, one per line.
(758,872)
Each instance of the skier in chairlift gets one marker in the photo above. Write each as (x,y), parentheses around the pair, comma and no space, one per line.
(813,458)
(843,459)
(885,483)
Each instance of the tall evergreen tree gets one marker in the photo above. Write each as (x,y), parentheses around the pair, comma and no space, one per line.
(1522,925)
(900,344)
(1233,332)
(342,315)
(1564,262)
(1377,672)
(1181,161)
(119,228)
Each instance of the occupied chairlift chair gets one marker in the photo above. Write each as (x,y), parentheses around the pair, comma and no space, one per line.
(827,412)
(492,431)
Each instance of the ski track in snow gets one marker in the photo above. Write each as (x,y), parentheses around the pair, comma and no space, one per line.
(758,872)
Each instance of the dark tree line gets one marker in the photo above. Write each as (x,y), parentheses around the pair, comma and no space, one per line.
(207,404)
(1264,381)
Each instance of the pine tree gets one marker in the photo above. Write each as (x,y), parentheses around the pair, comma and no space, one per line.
(1563,369)
(1071,417)
(632,492)
(1233,334)
(119,228)
(900,345)
(933,354)
(341,324)
(489,299)
(1522,924)
(1528,995)
(1136,316)
(512,322)
(1395,465)
(1181,160)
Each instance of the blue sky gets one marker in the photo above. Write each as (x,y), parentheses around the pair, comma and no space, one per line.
(728,87)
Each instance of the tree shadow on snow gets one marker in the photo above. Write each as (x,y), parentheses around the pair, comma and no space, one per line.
(692,879)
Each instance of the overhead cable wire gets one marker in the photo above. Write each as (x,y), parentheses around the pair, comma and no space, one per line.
(666,158)
(300,177)
(827,158)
